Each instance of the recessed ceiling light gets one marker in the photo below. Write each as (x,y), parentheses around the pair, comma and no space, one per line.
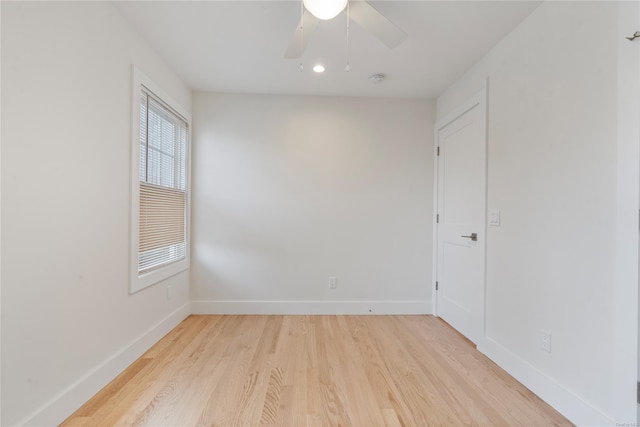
(318,68)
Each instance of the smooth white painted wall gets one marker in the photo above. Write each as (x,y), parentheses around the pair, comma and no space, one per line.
(553,170)
(291,190)
(66,77)
(0,217)
(628,206)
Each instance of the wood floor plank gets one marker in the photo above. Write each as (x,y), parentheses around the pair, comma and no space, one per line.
(131,396)
(275,371)
(162,390)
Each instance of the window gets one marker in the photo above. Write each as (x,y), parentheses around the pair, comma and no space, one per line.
(160,246)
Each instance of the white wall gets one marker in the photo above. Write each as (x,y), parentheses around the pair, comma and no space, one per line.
(0,218)
(68,322)
(291,190)
(628,206)
(553,170)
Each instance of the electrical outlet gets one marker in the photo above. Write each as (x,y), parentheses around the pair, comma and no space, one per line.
(333,282)
(169,292)
(545,341)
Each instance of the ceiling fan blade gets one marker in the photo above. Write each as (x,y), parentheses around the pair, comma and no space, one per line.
(376,23)
(298,43)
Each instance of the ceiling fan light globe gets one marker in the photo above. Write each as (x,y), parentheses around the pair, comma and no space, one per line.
(325,9)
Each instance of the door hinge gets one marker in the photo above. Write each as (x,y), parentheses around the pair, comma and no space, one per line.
(638,393)
(437,289)
(438,151)
(437,218)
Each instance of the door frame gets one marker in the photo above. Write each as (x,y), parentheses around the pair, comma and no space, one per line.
(479,100)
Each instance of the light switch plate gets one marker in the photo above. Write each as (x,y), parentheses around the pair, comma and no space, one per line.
(494,218)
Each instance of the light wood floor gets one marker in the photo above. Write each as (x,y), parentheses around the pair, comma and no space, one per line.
(314,371)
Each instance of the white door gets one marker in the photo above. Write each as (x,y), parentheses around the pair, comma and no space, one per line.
(461,210)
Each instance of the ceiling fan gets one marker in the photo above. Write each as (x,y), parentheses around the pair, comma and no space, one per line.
(359,11)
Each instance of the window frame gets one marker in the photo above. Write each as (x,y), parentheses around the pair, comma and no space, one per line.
(138,282)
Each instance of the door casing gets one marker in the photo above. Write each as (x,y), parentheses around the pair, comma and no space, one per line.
(479,100)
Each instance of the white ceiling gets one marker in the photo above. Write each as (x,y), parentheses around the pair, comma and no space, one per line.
(238,46)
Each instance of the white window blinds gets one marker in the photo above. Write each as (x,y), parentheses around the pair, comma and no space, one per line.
(163,185)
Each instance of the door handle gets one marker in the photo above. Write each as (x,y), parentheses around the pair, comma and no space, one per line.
(473,237)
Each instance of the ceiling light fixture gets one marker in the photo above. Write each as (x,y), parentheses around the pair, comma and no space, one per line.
(318,68)
(325,9)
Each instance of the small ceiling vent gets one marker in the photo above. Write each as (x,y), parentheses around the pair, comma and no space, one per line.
(377,78)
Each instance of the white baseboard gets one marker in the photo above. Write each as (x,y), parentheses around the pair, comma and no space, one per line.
(312,307)
(64,404)
(572,406)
